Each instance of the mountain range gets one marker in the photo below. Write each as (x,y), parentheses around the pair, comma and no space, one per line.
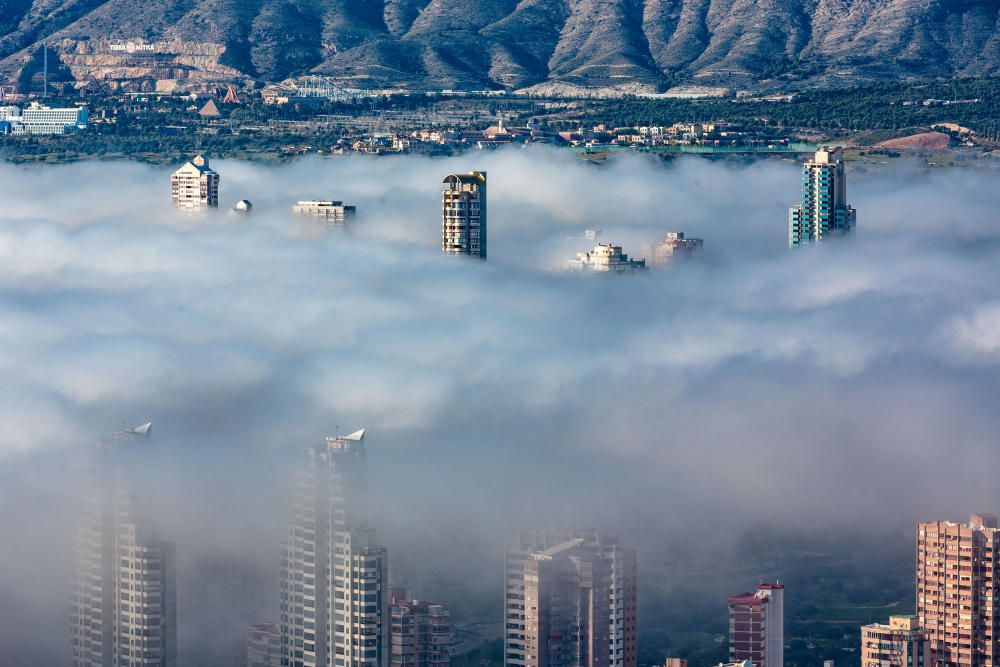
(544,45)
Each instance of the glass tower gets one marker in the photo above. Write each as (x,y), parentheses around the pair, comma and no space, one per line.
(824,211)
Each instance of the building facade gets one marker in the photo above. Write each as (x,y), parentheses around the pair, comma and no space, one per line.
(463,214)
(334,604)
(957,590)
(606,258)
(124,601)
(529,558)
(40,119)
(823,211)
(264,645)
(675,244)
(757,626)
(420,633)
(900,643)
(331,211)
(195,185)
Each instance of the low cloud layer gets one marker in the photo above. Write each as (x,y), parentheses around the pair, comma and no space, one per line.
(829,384)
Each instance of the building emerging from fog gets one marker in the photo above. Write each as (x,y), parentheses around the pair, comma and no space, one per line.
(330,211)
(570,601)
(901,643)
(824,211)
(124,603)
(757,626)
(463,214)
(419,634)
(675,244)
(606,258)
(958,589)
(195,185)
(264,645)
(334,605)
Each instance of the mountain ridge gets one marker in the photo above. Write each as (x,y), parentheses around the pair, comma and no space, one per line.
(639,45)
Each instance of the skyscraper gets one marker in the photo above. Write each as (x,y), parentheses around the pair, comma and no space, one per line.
(957,590)
(334,605)
(757,626)
(577,564)
(900,643)
(195,185)
(124,603)
(824,211)
(463,214)
(420,633)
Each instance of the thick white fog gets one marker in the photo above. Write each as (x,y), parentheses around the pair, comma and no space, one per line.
(758,383)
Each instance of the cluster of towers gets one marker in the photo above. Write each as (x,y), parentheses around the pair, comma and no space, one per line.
(336,607)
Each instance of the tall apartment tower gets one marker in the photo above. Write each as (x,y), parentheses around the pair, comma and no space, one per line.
(124,602)
(757,626)
(824,211)
(463,214)
(195,185)
(900,643)
(420,633)
(334,603)
(600,575)
(958,590)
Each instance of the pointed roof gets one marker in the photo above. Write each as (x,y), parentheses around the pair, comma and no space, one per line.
(357,435)
(231,96)
(209,110)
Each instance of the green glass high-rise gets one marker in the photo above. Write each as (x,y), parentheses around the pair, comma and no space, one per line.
(823,212)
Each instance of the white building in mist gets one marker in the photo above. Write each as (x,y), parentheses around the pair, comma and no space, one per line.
(606,258)
(676,245)
(334,594)
(332,211)
(124,599)
(195,185)
(567,579)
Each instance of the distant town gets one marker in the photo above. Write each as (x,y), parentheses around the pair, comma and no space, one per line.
(318,117)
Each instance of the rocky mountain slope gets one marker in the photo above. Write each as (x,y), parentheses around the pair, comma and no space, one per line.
(436,44)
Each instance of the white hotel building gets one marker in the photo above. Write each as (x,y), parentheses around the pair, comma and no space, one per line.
(40,119)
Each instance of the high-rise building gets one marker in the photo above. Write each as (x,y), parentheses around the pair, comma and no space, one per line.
(463,214)
(900,643)
(334,603)
(330,211)
(606,258)
(958,589)
(757,626)
(675,245)
(124,602)
(264,645)
(569,559)
(195,185)
(420,633)
(824,211)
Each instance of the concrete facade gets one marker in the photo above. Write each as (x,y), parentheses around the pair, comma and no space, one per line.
(463,214)
(900,643)
(957,590)
(757,626)
(195,185)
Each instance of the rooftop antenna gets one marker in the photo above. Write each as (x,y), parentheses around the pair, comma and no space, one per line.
(45,70)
